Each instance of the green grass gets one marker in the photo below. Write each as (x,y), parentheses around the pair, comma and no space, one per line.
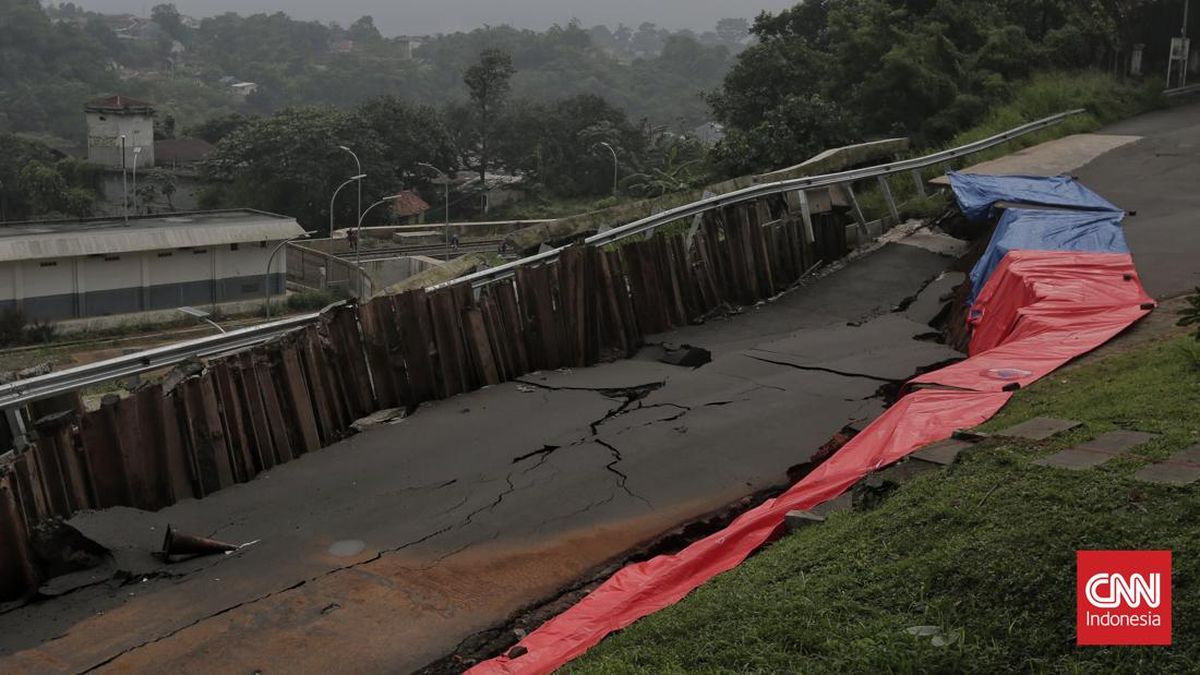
(984,550)
(1105,98)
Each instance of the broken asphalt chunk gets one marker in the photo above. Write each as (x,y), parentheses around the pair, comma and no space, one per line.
(686,356)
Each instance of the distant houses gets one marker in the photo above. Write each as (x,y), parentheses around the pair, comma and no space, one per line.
(243,89)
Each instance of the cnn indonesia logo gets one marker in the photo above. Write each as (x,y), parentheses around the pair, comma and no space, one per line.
(1123,597)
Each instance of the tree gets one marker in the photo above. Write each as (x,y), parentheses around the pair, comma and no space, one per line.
(50,194)
(556,145)
(488,83)
(364,31)
(733,31)
(410,134)
(216,128)
(648,40)
(168,19)
(290,163)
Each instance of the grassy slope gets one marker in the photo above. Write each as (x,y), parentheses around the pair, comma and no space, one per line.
(984,549)
(1105,98)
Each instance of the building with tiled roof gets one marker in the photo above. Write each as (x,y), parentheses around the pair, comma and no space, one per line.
(119,122)
(408,204)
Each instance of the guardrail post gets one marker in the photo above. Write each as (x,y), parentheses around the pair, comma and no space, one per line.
(856,209)
(17,428)
(806,216)
(887,197)
(919,182)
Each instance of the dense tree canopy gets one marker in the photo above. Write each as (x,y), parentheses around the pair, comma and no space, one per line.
(53,59)
(829,71)
(290,162)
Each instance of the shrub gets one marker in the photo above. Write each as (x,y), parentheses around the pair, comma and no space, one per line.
(312,301)
(1190,315)
(16,329)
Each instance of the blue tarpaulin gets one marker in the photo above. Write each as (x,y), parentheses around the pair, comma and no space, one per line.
(977,193)
(1035,230)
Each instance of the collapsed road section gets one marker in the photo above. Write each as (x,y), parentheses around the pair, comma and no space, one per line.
(583,471)
(442,524)
(1062,286)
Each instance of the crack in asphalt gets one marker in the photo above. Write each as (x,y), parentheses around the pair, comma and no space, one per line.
(609,392)
(631,399)
(378,555)
(822,369)
(621,477)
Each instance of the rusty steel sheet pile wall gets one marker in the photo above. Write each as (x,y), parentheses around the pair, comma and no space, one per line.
(247,412)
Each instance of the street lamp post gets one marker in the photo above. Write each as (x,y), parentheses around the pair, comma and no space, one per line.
(615,165)
(358,237)
(358,230)
(124,184)
(202,315)
(358,178)
(137,152)
(446,196)
(360,172)
(271,259)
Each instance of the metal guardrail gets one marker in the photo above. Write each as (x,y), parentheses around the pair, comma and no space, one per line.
(1179,91)
(33,389)
(485,277)
(22,392)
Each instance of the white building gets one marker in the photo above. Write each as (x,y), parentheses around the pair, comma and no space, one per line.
(243,89)
(99,267)
(110,119)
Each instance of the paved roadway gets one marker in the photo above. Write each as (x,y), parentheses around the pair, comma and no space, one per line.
(1159,178)
(381,553)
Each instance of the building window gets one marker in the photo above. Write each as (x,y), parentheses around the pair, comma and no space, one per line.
(233,247)
(111,258)
(167,254)
(199,251)
(52,263)
(262,244)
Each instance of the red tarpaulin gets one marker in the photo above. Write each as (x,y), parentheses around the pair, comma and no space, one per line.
(1038,310)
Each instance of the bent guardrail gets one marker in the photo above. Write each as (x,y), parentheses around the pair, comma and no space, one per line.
(27,391)
(16,394)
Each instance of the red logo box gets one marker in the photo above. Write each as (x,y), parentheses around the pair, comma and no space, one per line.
(1123,597)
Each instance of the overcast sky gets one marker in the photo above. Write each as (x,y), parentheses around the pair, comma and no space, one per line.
(418,17)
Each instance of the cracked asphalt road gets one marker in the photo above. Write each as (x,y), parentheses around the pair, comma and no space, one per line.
(479,505)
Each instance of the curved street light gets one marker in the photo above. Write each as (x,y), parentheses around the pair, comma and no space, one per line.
(358,230)
(615,164)
(271,259)
(360,172)
(358,178)
(446,194)
(358,236)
